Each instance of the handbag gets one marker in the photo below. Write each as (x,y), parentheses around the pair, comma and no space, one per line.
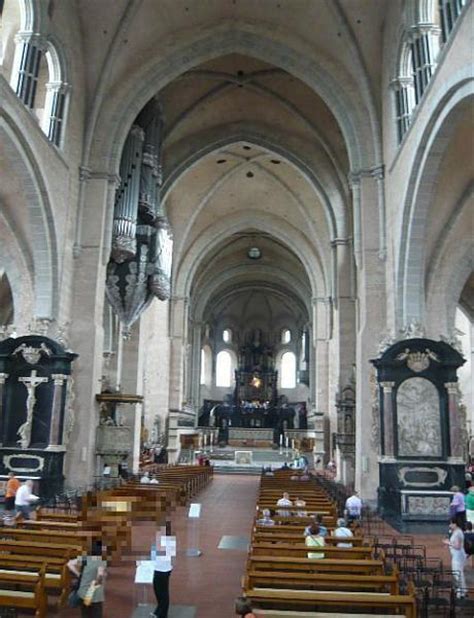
(87,600)
(74,600)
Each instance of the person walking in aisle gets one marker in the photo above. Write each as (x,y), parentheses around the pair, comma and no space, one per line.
(458,556)
(163,559)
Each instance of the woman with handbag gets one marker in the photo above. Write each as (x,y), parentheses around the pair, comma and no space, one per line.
(90,571)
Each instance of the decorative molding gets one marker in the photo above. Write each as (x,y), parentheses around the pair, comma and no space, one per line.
(40,462)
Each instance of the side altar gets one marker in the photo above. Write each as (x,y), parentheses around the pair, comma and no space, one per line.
(36,413)
(421,428)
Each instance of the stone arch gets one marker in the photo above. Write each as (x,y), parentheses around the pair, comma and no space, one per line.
(110,124)
(449,105)
(450,268)
(332,199)
(16,260)
(43,237)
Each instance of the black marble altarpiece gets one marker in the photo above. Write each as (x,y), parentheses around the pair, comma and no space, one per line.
(421,428)
(35,409)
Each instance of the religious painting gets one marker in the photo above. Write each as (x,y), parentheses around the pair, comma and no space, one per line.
(418,419)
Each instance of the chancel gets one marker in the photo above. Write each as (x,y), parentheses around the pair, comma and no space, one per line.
(236,261)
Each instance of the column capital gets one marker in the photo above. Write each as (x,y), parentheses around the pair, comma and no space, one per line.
(401,83)
(59,378)
(452,387)
(342,242)
(424,28)
(355,176)
(32,38)
(320,300)
(387,386)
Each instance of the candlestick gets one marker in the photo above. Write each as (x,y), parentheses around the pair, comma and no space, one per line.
(293,444)
(287,441)
(281,439)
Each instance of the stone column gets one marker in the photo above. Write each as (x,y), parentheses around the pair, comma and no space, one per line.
(97,193)
(55,440)
(178,333)
(322,328)
(195,370)
(3,377)
(388,419)
(455,429)
(371,320)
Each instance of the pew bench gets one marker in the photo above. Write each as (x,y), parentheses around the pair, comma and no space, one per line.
(309,565)
(312,599)
(275,536)
(22,591)
(300,550)
(323,581)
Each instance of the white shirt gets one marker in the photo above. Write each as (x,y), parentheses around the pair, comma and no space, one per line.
(343,532)
(144,480)
(24,496)
(163,562)
(154,482)
(284,502)
(354,506)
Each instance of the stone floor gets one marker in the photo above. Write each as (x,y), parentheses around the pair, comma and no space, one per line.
(206,586)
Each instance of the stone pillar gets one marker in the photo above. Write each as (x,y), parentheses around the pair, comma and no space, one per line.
(55,439)
(96,201)
(132,383)
(371,316)
(195,370)
(388,419)
(321,335)
(455,429)
(178,333)
(3,377)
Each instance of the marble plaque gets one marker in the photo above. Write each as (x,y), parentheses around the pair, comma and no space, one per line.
(418,419)
(428,505)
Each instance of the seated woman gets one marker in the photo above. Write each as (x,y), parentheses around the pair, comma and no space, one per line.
(314,539)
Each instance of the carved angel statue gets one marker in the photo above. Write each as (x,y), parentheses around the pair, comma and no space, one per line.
(24,432)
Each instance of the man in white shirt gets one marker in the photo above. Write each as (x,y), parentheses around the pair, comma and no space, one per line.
(24,498)
(145,478)
(353,507)
(284,501)
(342,532)
(163,555)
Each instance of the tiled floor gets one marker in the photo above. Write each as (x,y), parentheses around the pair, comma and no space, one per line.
(206,586)
(208,583)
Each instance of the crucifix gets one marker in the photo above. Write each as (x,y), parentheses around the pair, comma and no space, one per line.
(30,382)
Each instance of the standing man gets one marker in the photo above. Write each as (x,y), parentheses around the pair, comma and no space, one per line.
(163,555)
(24,498)
(13,484)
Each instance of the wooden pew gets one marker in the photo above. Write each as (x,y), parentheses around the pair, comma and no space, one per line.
(285,599)
(24,591)
(308,565)
(301,550)
(323,581)
(82,538)
(271,534)
(37,548)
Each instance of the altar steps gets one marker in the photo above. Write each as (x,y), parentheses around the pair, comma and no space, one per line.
(248,470)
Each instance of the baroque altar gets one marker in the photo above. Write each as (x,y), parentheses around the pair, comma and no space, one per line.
(421,428)
(36,414)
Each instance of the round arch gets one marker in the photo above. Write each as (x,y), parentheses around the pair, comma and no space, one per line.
(110,123)
(329,192)
(411,272)
(43,238)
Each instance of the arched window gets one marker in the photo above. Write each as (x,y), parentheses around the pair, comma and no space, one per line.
(449,11)
(285,335)
(404,90)
(224,369)
(6,300)
(227,335)
(288,370)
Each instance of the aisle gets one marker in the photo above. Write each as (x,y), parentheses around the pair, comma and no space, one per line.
(205,586)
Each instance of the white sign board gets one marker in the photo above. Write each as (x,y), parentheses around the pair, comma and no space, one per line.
(145,571)
(194,510)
